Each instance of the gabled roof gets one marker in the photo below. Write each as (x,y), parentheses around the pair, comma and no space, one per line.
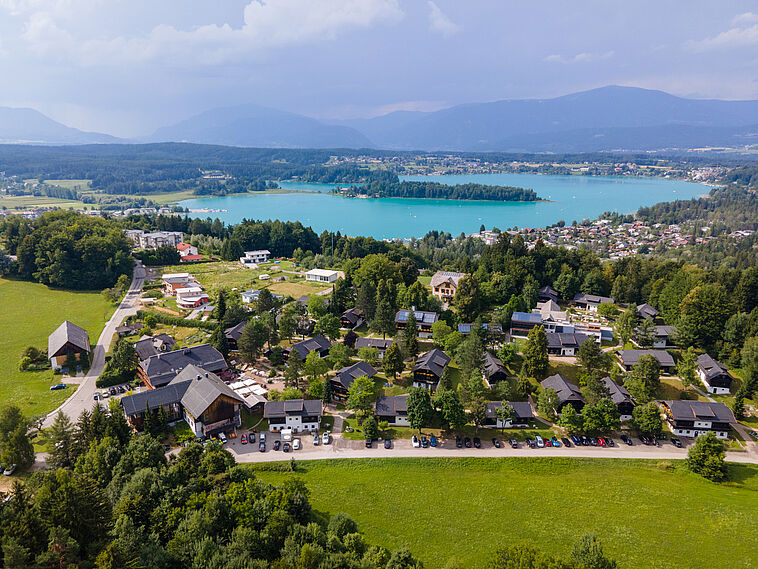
(162,368)
(67,332)
(235,332)
(391,405)
(566,390)
(319,343)
(711,368)
(522,408)
(664,331)
(442,277)
(619,394)
(353,315)
(434,361)
(591,298)
(292,408)
(684,410)
(347,375)
(380,343)
(492,365)
(647,311)
(632,357)
(563,340)
(203,389)
(151,345)
(153,398)
(422,316)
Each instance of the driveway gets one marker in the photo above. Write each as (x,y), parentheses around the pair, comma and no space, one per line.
(82,398)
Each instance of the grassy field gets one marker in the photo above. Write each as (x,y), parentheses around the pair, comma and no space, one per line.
(30,312)
(29,202)
(647,514)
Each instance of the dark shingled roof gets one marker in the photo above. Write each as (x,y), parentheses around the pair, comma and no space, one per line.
(591,298)
(292,407)
(152,345)
(711,368)
(235,332)
(434,361)
(391,405)
(378,343)
(562,340)
(153,398)
(492,365)
(67,332)
(632,357)
(684,410)
(422,317)
(347,375)
(566,390)
(203,389)
(353,315)
(162,368)
(619,394)
(305,347)
(647,311)
(522,408)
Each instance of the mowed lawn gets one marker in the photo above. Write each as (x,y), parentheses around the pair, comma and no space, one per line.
(647,514)
(29,312)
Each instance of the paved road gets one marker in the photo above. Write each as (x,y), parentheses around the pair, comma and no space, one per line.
(82,397)
(342,448)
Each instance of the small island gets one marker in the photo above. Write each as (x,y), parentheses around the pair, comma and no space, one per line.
(435,190)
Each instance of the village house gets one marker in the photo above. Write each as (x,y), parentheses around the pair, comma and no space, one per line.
(590,301)
(148,346)
(547,293)
(68,341)
(322,276)
(318,344)
(714,375)
(444,284)
(129,329)
(198,396)
(695,418)
(351,318)
(492,330)
(424,321)
(233,335)
(296,414)
(252,295)
(429,369)
(191,297)
(380,344)
(630,358)
(663,337)
(393,409)
(621,397)
(522,415)
(568,393)
(564,344)
(647,312)
(186,250)
(158,370)
(345,377)
(493,369)
(252,258)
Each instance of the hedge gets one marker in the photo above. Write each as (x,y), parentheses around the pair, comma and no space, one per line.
(171,320)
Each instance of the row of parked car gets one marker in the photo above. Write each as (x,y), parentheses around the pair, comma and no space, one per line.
(540,442)
(112,391)
(285,446)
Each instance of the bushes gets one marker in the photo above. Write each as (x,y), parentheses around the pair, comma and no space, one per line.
(171,320)
(33,359)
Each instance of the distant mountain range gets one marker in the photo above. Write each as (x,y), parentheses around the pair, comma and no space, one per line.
(604,119)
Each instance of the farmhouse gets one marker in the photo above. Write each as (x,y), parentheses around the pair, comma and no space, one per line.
(564,344)
(424,321)
(695,418)
(493,369)
(295,414)
(318,343)
(351,318)
(590,301)
(252,258)
(158,370)
(630,358)
(522,415)
(129,329)
(322,275)
(620,396)
(393,409)
(429,368)
(346,376)
(444,284)
(198,396)
(568,393)
(714,375)
(68,340)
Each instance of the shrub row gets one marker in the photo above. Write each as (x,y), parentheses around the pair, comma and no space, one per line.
(171,320)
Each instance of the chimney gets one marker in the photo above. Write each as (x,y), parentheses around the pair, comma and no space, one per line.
(199,377)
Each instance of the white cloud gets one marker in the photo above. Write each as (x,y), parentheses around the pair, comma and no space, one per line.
(745,19)
(584,57)
(744,33)
(266,24)
(440,23)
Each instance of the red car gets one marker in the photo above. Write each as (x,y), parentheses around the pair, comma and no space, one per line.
(601,441)
(243,439)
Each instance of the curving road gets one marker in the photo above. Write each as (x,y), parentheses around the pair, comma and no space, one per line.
(82,398)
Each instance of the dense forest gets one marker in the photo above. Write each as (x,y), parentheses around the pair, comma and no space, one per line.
(434,190)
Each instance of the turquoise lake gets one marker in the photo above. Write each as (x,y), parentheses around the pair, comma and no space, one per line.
(571,198)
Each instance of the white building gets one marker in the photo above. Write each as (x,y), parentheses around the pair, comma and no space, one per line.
(191,297)
(154,240)
(295,414)
(322,275)
(185,249)
(252,258)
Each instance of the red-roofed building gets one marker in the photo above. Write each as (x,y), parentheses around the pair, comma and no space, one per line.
(187,258)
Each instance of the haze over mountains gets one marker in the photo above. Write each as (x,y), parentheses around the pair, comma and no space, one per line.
(608,118)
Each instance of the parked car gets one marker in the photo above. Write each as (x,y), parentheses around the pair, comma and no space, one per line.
(467,442)
(495,442)
(262,437)
(609,442)
(369,442)
(325,437)
(593,441)
(566,442)
(433,441)
(296,444)
(554,441)
(415,442)
(222,438)
(387,443)
(424,442)
(477,443)
(576,440)
(113,391)
(286,447)
(601,441)
(121,389)
(96,396)
(458,441)
(9,470)
(530,443)
(316,440)
(539,441)
(261,447)
(513,443)
(104,395)
(57,386)
(676,442)
(243,439)
(626,440)
(277,444)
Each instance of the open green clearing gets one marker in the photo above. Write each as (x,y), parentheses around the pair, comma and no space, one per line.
(648,514)
(30,312)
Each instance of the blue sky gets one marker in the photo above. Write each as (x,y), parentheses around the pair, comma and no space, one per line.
(127,67)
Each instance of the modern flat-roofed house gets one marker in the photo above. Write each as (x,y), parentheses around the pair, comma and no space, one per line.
(255,257)
(647,312)
(714,375)
(296,414)
(444,284)
(322,275)
(380,344)
(620,396)
(493,369)
(318,343)
(522,411)
(523,322)
(174,281)
(590,301)
(493,330)
(568,393)
(695,418)
(346,376)
(630,358)
(351,318)
(68,338)
(565,344)
(393,409)
(191,297)
(158,370)
(198,396)
(429,368)
(424,321)
(153,345)
(234,334)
